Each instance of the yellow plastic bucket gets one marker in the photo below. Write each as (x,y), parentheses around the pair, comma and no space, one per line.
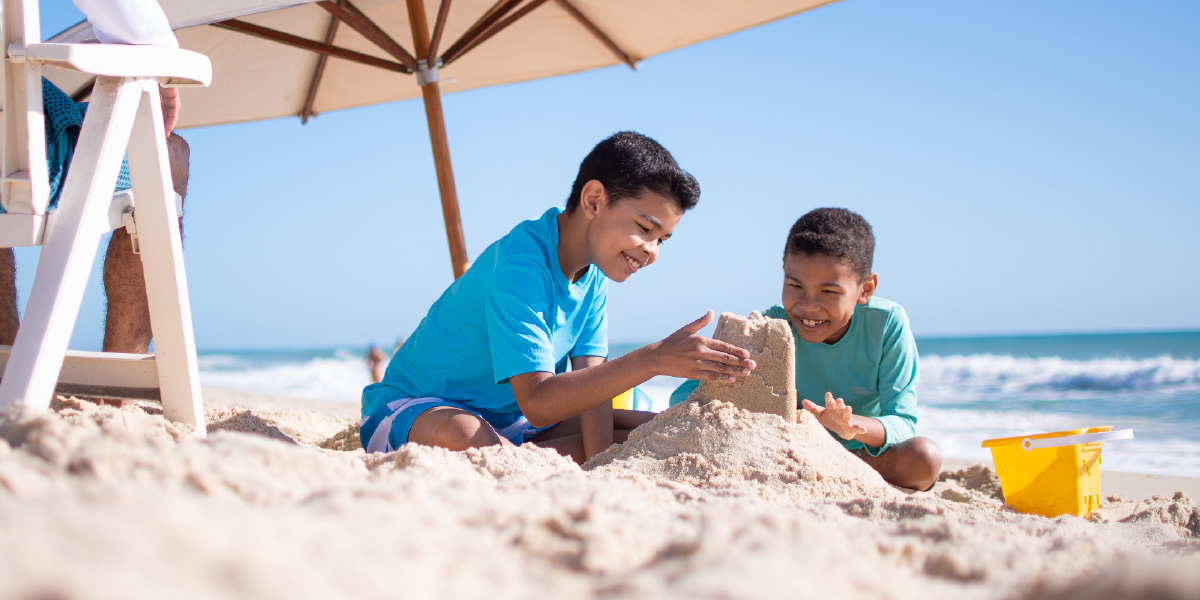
(1052,474)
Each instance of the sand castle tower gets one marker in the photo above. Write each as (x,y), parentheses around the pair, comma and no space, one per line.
(771,388)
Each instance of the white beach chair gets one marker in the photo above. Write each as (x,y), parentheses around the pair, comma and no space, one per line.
(125,115)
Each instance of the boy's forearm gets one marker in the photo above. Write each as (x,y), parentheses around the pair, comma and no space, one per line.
(555,398)
(875,436)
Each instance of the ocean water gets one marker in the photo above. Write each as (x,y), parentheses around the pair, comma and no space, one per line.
(970,389)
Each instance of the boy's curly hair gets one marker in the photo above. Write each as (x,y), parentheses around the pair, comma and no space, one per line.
(834,232)
(628,163)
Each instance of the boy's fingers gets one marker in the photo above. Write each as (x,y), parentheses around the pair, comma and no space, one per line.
(698,324)
(810,407)
(739,365)
(723,368)
(727,348)
(716,376)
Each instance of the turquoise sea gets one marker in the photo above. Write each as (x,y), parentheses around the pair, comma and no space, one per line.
(970,389)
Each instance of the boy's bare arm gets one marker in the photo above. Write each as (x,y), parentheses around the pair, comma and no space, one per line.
(546,399)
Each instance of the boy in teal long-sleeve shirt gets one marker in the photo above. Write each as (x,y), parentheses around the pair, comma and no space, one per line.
(855,353)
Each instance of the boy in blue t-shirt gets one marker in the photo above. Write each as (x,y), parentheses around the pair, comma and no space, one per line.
(852,345)
(489,363)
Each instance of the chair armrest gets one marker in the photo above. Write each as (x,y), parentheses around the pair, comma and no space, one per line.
(177,67)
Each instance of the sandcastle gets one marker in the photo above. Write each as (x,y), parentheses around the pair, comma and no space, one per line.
(771,387)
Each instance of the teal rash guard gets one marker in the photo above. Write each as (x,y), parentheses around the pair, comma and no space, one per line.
(873,368)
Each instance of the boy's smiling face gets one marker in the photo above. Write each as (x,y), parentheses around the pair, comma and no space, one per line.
(820,293)
(624,236)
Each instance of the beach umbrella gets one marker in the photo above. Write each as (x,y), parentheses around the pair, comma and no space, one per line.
(274,58)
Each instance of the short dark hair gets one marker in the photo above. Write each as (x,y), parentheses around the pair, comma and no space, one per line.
(628,163)
(834,232)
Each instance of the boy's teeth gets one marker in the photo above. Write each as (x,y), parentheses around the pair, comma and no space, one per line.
(809,323)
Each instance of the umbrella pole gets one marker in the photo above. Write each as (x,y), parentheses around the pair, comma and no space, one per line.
(431,92)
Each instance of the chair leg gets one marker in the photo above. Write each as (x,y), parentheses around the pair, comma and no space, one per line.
(157,222)
(69,248)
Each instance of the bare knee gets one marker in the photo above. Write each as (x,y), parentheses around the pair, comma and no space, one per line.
(464,431)
(924,460)
(914,464)
(179,154)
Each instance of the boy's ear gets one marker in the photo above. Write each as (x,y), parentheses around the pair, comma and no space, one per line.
(591,198)
(867,288)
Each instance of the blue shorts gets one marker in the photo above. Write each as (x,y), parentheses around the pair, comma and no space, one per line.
(386,428)
(64,119)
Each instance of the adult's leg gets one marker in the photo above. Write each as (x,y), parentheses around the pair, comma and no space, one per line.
(453,429)
(913,464)
(127,322)
(8,297)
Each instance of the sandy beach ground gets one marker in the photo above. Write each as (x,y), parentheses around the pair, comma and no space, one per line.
(705,501)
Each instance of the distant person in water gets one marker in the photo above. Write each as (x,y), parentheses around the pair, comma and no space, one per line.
(376,361)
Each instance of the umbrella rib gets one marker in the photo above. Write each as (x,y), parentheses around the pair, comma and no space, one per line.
(438,29)
(318,72)
(495,13)
(600,35)
(350,15)
(493,30)
(307,44)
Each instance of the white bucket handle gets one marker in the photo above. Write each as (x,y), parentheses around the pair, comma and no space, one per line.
(1071,440)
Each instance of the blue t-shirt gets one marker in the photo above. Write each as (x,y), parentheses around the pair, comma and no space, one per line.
(512,312)
(873,368)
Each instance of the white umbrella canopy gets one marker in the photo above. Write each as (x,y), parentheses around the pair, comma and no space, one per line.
(256,78)
(274,58)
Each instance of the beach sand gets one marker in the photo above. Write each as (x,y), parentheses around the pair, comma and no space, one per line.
(705,501)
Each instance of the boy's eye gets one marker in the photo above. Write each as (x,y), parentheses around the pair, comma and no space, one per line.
(643,228)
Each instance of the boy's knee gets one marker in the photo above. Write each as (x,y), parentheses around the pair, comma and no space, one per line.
(925,459)
(464,431)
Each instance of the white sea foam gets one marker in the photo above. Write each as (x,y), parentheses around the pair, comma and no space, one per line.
(948,385)
(1009,374)
(340,377)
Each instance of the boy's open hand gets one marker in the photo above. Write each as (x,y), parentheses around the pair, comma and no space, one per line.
(685,354)
(835,416)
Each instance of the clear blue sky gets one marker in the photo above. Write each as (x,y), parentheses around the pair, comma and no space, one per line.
(1027,166)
